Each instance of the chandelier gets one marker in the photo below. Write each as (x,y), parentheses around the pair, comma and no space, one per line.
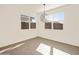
(43,15)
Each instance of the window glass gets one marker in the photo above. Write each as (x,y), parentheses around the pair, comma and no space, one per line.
(32,25)
(57,17)
(24,18)
(24,25)
(32,19)
(48,25)
(49,17)
(28,22)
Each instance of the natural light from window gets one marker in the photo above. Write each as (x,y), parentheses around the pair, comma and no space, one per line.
(46,50)
(43,49)
(33,19)
(59,52)
(56,17)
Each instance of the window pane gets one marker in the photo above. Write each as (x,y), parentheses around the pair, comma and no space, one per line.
(49,17)
(58,26)
(24,25)
(32,25)
(59,17)
(48,25)
(24,18)
(32,19)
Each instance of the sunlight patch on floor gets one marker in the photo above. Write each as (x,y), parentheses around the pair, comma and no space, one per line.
(59,52)
(46,50)
(43,49)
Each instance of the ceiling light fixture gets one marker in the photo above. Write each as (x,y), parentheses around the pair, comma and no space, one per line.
(42,17)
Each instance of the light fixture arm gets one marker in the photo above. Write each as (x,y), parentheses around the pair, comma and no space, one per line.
(44,11)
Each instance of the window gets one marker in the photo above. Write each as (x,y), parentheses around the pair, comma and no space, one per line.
(28,22)
(24,22)
(32,23)
(48,25)
(24,25)
(57,19)
(57,25)
(24,18)
(32,19)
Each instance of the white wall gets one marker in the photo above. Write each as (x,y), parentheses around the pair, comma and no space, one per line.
(70,33)
(10,25)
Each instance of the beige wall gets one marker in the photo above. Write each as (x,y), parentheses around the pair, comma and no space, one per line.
(10,25)
(70,32)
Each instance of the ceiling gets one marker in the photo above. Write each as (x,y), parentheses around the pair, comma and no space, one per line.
(40,7)
(32,7)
